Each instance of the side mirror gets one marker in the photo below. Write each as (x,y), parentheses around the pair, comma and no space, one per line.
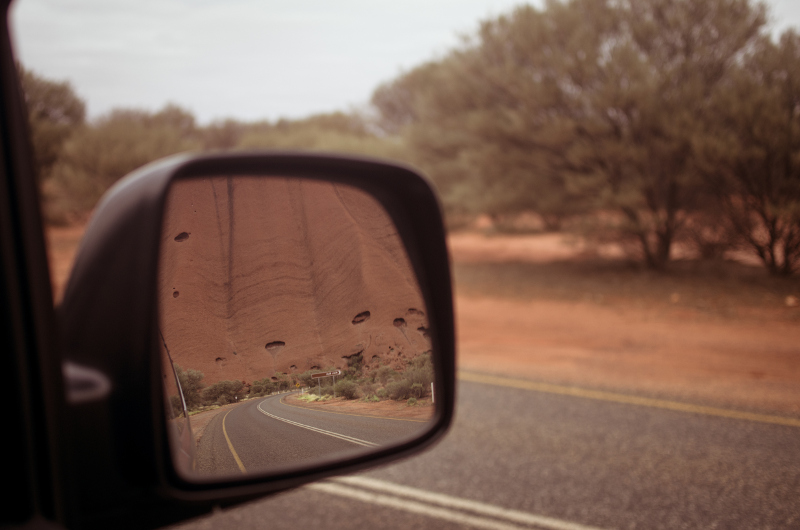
(236,287)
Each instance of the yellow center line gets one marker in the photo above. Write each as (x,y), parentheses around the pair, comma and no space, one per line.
(627,399)
(351,414)
(230,445)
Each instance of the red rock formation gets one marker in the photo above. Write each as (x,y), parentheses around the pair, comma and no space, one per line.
(265,275)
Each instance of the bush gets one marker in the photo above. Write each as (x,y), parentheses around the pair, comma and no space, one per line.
(354,364)
(176,406)
(368,389)
(422,361)
(192,386)
(420,371)
(383,374)
(399,390)
(411,401)
(381,393)
(265,385)
(282,381)
(224,392)
(347,389)
(417,390)
(306,379)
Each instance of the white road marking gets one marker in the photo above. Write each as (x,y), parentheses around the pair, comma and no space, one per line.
(449,508)
(344,437)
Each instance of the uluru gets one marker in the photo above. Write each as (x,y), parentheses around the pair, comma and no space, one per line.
(260,275)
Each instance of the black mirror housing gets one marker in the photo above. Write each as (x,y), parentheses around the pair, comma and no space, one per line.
(117,441)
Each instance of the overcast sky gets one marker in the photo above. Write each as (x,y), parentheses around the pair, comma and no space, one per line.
(246,59)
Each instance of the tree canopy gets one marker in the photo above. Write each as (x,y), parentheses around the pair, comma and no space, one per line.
(581,106)
(54,113)
(653,122)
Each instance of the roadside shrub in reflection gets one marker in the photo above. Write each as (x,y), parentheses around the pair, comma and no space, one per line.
(384,374)
(346,389)
(262,387)
(192,386)
(399,390)
(224,392)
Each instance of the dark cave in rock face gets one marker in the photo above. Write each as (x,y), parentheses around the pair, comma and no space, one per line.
(275,344)
(361,317)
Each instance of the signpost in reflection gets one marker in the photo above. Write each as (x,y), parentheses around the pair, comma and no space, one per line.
(320,375)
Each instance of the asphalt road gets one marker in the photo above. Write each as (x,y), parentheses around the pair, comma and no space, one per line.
(264,433)
(526,459)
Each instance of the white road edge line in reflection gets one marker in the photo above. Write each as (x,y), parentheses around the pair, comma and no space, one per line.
(447,510)
(316,429)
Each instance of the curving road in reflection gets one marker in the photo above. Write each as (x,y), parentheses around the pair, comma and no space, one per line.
(266,433)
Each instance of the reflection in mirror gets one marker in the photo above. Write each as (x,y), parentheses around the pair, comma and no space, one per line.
(294,322)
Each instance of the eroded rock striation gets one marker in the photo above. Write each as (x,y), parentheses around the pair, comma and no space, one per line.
(265,275)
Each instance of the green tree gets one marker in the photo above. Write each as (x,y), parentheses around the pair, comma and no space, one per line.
(282,381)
(55,112)
(400,102)
(222,135)
(224,392)
(262,387)
(635,148)
(333,132)
(582,106)
(191,385)
(306,379)
(492,121)
(750,154)
(98,155)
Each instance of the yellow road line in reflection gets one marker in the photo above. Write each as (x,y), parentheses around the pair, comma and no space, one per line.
(230,445)
(351,414)
(624,398)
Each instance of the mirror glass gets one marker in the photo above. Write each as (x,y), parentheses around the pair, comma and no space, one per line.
(292,326)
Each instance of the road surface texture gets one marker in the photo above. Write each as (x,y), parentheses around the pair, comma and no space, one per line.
(265,433)
(520,458)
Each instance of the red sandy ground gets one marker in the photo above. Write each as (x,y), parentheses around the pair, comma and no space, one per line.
(749,364)
(753,365)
